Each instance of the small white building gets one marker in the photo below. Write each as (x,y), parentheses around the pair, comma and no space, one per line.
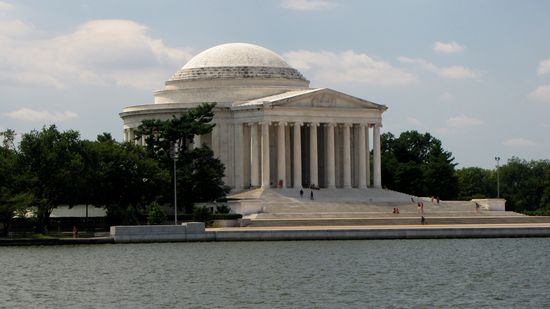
(272,129)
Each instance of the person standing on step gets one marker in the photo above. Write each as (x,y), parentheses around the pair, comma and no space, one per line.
(422,220)
(311,195)
(301,193)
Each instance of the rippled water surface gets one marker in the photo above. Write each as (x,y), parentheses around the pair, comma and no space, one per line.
(468,273)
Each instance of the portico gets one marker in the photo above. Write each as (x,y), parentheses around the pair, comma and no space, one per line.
(309,138)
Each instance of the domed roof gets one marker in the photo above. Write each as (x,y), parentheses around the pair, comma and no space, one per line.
(236,55)
(237,61)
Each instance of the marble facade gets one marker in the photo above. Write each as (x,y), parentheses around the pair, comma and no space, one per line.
(272,130)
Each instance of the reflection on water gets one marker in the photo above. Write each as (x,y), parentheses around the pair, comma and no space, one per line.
(323,274)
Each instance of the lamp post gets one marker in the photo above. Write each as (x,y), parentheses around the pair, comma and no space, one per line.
(174,156)
(498,178)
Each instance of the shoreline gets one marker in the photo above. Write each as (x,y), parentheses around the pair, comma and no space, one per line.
(296,233)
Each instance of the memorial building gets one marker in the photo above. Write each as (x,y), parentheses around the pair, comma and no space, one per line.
(272,130)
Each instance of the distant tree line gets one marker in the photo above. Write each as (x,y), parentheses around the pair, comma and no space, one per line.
(417,164)
(50,168)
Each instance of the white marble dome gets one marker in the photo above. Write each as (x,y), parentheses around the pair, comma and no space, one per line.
(235,55)
(237,61)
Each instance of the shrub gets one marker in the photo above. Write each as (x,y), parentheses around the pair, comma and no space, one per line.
(202,214)
(223,209)
(155,215)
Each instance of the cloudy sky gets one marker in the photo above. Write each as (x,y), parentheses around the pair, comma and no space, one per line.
(475,74)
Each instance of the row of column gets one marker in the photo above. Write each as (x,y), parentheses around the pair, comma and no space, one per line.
(130,136)
(261,143)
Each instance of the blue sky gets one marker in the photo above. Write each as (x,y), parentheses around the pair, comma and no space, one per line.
(475,74)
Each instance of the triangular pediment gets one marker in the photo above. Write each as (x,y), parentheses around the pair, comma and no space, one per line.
(325,98)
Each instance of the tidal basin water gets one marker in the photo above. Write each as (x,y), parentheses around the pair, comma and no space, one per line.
(458,273)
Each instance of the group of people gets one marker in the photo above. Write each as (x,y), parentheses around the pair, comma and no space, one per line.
(396,210)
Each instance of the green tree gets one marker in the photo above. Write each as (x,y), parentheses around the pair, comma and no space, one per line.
(476,182)
(417,164)
(524,184)
(155,215)
(199,174)
(10,205)
(13,198)
(201,178)
(160,135)
(52,159)
(120,177)
(8,139)
(439,172)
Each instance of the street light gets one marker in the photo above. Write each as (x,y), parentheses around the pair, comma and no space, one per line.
(174,156)
(498,178)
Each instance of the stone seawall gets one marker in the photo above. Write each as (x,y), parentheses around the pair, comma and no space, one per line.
(189,232)
(404,233)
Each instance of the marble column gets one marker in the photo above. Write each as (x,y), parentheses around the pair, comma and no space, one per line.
(313,161)
(362,158)
(288,169)
(297,156)
(254,156)
(347,156)
(377,160)
(331,162)
(132,136)
(216,140)
(265,155)
(196,141)
(281,154)
(238,174)
(367,146)
(126,135)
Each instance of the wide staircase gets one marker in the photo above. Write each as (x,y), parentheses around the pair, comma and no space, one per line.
(347,207)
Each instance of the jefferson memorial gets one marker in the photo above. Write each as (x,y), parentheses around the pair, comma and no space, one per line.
(272,130)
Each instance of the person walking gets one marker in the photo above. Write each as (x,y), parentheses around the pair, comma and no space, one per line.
(422,220)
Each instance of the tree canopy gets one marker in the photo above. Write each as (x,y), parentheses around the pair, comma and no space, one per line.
(52,161)
(417,164)
(199,174)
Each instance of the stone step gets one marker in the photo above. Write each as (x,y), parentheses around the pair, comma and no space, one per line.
(389,215)
(398,221)
(305,207)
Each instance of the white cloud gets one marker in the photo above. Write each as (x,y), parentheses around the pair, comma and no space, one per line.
(457,72)
(446,97)
(519,142)
(449,48)
(415,122)
(463,121)
(306,5)
(11,27)
(541,93)
(27,114)
(544,67)
(99,52)
(14,27)
(452,72)
(4,6)
(443,130)
(348,67)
